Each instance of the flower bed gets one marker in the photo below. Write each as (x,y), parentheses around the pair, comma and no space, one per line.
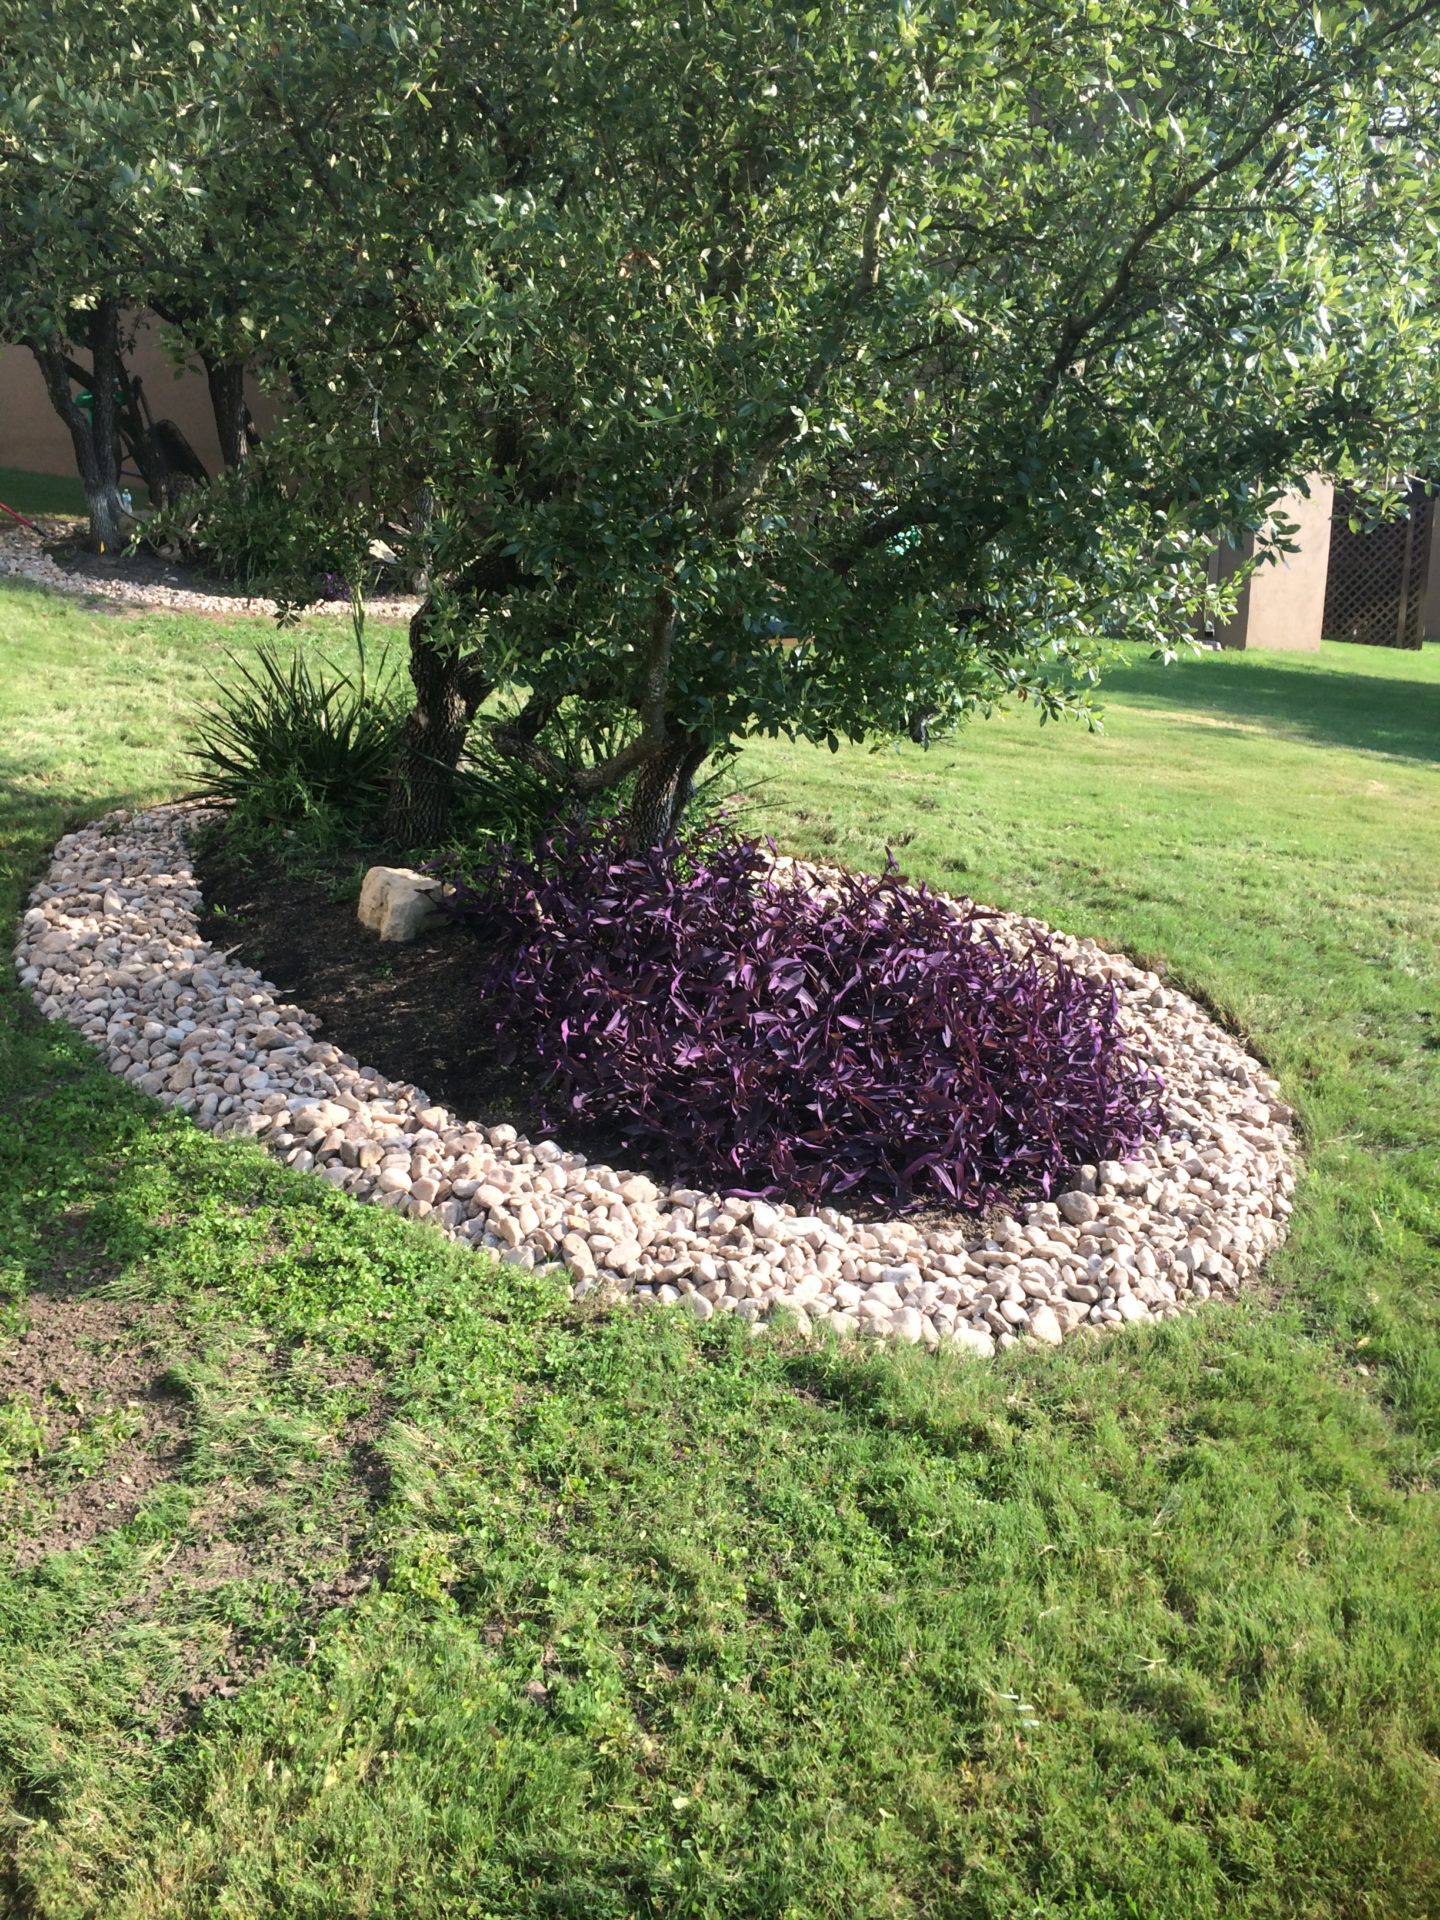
(111,944)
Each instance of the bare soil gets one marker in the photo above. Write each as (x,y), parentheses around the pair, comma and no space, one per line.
(93,1375)
(100,1384)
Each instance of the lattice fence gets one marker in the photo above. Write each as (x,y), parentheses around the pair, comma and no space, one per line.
(1375,587)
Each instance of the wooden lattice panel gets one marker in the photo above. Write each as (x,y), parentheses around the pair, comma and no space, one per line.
(1375,587)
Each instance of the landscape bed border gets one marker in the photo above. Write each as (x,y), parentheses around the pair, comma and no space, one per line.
(110,943)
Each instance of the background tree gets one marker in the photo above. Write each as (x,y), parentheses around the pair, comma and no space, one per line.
(837,372)
(98,219)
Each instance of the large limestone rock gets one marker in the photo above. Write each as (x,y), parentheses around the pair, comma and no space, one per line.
(397,902)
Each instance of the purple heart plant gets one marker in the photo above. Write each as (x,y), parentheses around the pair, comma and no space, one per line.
(869,1039)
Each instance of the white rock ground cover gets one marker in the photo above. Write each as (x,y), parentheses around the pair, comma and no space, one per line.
(23,557)
(111,944)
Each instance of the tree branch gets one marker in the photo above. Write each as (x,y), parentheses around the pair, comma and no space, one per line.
(55,368)
(1078,327)
(518,739)
(655,693)
(731,508)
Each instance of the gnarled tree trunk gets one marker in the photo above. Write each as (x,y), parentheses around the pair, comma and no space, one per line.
(94,435)
(451,683)
(663,785)
(449,688)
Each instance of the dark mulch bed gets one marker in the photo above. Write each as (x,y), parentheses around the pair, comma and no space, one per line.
(413,1011)
(141,567)
(155,566)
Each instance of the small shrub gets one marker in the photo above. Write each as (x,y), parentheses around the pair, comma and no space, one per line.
(292,744)
(879,1042)
(498,800)
(256,529)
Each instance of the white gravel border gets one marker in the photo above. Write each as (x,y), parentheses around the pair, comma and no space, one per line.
(111,944)
(23,557)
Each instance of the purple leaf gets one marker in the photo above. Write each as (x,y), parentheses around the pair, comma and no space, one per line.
(717,1015)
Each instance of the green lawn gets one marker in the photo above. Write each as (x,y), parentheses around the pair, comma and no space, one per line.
(32,493)
(677,1622)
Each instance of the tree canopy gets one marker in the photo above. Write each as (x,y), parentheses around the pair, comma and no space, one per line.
(99,217)
(837,370)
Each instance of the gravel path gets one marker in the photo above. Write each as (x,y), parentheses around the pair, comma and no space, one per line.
(111,944)
(23,557)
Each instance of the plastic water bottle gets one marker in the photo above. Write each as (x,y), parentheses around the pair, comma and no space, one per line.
(125,504)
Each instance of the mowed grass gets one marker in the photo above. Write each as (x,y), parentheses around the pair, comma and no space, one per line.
(1265,828)
(676,1621)
(32,493)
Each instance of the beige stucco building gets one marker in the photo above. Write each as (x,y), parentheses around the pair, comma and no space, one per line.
(33,437)
(1380,588)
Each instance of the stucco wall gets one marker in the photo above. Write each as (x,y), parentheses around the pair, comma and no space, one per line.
(1287,598)
(1430,614)
(33,437)
(1282,604)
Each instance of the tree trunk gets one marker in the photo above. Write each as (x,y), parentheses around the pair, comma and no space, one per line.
(450,684)
(234,426)
(92,435)
(105,362)
(663,786)
(449,688)
(134,436)
(235,429)
(102,497)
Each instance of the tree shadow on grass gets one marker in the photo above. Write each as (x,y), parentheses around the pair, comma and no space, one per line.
(34,815)
(28,804)
(1398,718)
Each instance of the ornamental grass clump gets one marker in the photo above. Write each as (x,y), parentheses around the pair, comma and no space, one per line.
(866,1040)
(298,741)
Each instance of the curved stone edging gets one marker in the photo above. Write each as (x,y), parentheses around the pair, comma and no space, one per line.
(111,944)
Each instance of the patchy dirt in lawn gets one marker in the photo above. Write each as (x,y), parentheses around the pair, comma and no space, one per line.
(96,1418)
(99,1418)
(92,1416)
(238,1540)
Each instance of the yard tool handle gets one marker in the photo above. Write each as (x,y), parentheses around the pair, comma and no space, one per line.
(18,516)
